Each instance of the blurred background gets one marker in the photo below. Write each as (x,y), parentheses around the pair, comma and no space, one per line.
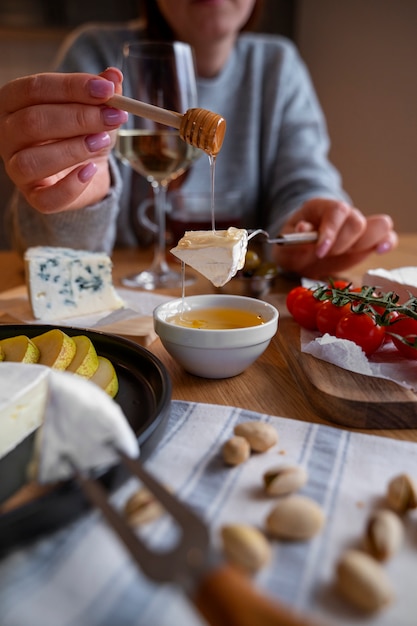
(361,55)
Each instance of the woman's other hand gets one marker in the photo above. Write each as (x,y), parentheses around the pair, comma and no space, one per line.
(346,237)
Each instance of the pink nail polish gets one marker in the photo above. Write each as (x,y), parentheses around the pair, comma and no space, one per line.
(101,88)
(87,172)
(114,117)
(383,247)
(97,142)
(323,248)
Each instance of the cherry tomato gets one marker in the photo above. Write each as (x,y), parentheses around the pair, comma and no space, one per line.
(292,296)
(304,309)
(362,330)
(406,327)
(340,284)
(391,316)
(328,315)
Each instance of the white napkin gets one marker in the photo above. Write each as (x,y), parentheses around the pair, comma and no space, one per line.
(82,576)
(386,363)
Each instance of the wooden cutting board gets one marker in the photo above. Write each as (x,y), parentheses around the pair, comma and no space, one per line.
(138,329)
(344,397)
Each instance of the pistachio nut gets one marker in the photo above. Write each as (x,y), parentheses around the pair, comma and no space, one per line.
(402,493)
(383,534)
(142,507)
(260,435)
(295,517)
(284,479)
(363,581)
(245,546)
(236,450)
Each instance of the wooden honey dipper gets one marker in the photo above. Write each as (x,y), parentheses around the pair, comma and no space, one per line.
(199,127)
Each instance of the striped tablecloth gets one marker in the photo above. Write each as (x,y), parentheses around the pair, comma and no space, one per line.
(82,576)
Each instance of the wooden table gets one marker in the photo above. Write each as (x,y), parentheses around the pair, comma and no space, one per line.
(267,386)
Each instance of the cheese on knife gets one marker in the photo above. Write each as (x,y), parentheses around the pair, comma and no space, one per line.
(216,254)
(63,282)
(78,424)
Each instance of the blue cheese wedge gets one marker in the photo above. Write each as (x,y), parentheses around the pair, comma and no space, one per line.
(216,254)
(63,282)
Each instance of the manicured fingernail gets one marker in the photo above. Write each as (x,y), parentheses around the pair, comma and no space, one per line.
(87,172)
(323,248)
(114,117)
(97,142)
(383,247)
(101,88)
(114,76)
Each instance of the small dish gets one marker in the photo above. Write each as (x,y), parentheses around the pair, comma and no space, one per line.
(215,353)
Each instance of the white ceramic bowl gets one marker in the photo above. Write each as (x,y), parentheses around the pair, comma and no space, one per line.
(215,353)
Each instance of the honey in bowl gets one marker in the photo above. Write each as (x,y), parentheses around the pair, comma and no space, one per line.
(216,319)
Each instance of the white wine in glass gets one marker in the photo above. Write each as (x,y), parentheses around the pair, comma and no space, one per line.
(162,74)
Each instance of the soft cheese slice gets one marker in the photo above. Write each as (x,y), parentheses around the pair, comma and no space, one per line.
(216,254)
(78,424)
(83,428)
(23,397)
(63,282)
(402,280)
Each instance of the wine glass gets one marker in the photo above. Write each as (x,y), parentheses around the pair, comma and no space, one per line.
(162,74)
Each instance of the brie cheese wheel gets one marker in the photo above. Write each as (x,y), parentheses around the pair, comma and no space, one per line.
(63,282)
(23,398)
(216,254)
(78,424)
(402,280)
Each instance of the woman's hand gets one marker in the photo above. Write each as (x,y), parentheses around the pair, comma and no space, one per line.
(346,237)
(56,134)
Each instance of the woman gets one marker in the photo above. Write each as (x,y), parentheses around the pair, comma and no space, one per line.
(56,137)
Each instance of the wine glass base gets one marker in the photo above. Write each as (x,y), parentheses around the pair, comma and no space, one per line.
(151,280)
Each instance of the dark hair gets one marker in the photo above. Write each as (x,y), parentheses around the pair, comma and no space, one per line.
(158,28)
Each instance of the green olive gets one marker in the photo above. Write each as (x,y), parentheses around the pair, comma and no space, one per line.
(267,269)
(252,261)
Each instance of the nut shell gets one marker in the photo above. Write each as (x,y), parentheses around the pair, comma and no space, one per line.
(236,450)
(284,479)
(363,581)
(142,507)
(402,493)
(260,435)
(245,546)
(295,518)
(384,534)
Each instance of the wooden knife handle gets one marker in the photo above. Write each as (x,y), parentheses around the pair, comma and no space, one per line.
(225,597)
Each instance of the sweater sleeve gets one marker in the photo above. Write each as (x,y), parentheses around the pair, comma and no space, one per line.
(91,228)
(296,165)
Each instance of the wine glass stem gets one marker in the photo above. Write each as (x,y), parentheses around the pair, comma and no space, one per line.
(159,263)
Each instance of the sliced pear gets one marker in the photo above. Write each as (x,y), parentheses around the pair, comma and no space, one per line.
(57,349)
(85,361)
(105,376)
(20,349)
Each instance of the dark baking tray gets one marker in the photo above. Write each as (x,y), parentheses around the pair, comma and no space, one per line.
(145,398)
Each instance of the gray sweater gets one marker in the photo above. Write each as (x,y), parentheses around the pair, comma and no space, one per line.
(275,149)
